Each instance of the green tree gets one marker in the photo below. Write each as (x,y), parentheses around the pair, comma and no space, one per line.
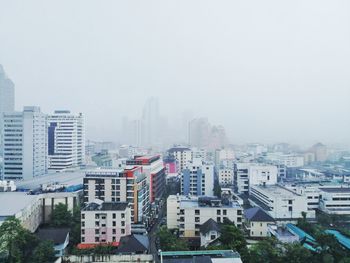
(16,243)
(75,231)
(232,238)
(296,253)
(44,253)
(268,251)
(170,242)
(61,216)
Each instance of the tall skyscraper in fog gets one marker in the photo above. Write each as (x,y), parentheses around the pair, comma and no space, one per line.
(7,98)
(7,93)
(198,132)
(150,119)
(25,144)
(66,140)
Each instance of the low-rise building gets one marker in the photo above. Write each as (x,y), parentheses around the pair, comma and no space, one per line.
(257,222)
(280,202)
(209,232)
(105,222)
(335,200)
(198,179)
(247,174)
(188,213)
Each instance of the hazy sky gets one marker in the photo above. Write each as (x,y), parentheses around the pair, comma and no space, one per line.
(266,70)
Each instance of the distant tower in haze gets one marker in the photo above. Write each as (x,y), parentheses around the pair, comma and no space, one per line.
(150,119)
(7,93)
(7,98)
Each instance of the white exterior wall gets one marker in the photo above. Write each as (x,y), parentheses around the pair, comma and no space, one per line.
(226,176)
(282,203)
(263,174)
(69,140)
(25,144)
(335,202)
(182,158)
(98,226)
(259,229)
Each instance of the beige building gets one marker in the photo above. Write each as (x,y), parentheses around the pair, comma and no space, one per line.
(105,222)
(188,214)
(257,222)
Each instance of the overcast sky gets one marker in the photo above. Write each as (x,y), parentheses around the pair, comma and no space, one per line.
(266,70)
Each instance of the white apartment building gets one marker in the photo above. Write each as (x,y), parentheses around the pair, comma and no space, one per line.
(289,160)
(105,222)
(183,155)
(248,174)
(225,176)
(335,200)
(66,140)
(198,179)
(25,144)
(279,202)
(188,213)
(119,185)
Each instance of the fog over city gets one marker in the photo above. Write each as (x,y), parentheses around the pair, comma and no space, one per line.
(268,71)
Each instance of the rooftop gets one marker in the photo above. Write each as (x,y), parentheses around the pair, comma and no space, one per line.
(256,214)
(276,191)
(14,202)
(106,206)
(336,189)
(56,235)
(68,178)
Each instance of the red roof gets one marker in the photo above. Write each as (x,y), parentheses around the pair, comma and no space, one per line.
(92,245)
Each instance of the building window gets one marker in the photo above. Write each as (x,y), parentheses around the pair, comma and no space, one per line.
(113,231)
(97,239)
(123,231)
(218,212)
(196,219)
(114,215)
(82,216)
(224,212)
(83,239)
(83,231)
(114,223)
(122,215)
(196,212)
(218,219)
(97,231)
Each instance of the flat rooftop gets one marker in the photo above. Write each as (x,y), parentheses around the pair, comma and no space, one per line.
(275,191)
(14,202)
(67,178)
(336,189)
(194,204)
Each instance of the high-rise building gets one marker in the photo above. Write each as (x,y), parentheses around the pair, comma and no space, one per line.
(7,93)
(320,151)
(154,170)
(119,185)
(182,156)
(150,119)
(25,144)
(66,140)
(7,98)
(198,132)
(198,179)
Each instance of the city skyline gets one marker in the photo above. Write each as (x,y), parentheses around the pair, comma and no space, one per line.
(284,79)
